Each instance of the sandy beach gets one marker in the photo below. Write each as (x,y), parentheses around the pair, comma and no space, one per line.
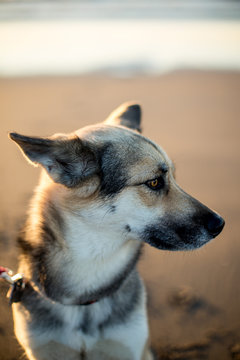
(193,297)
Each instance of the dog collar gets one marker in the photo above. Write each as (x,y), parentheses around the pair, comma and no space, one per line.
(18,284)
(89,302)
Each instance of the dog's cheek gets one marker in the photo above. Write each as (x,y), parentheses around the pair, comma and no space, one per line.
(89,187)
(85,191)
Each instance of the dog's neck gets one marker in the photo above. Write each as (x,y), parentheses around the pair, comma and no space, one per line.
(98,259)
(79,258)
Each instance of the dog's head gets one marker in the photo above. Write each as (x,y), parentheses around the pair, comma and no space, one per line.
(121,181)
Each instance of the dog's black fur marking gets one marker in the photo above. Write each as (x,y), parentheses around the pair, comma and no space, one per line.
(42,274)
(112,172)
(55,215)
(164,168)
(48,234)
(38,255)
(24,245)
(112,208)
(86,325)
(128,228)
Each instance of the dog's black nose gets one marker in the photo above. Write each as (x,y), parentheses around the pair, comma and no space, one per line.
(214,224)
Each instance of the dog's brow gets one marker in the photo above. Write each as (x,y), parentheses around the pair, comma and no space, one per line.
(163,168)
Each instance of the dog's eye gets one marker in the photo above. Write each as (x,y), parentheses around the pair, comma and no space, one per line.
(155,184)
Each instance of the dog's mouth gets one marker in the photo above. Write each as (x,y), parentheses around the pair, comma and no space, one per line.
(189,236)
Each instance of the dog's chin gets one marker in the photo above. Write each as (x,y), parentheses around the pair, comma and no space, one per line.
(163,245)
(173,242)
(177,245)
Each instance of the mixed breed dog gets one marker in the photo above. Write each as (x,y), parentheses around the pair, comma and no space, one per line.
(105,190)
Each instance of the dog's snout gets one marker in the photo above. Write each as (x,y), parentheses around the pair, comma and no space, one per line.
(214,224)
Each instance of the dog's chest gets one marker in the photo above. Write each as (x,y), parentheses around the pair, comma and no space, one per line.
(81,325)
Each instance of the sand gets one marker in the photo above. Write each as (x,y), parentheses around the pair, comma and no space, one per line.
(194,297)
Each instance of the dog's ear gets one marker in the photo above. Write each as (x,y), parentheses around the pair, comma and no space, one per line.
(67,160)
(128,114)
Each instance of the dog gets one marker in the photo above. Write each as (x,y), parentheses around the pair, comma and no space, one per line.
(105,190)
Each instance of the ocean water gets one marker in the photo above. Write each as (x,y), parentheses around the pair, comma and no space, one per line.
(120,38)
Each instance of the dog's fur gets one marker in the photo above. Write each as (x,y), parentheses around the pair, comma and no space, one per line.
(95,206)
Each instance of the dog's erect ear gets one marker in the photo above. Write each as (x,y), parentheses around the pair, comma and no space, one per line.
(128,114)
(67,160)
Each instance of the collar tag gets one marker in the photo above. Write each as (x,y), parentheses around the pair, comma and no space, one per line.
(17,284)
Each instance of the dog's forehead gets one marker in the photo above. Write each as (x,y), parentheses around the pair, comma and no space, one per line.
(138,154)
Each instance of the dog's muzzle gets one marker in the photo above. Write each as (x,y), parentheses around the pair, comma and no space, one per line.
(181,232)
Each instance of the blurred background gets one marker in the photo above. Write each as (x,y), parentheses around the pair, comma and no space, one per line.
(66,64)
